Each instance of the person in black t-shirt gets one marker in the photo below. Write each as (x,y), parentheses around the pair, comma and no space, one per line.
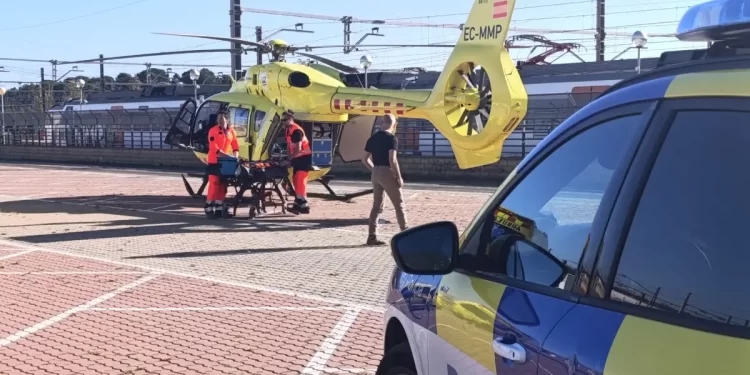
(380,158)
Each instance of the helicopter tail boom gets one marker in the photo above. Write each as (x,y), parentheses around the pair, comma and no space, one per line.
(401,103)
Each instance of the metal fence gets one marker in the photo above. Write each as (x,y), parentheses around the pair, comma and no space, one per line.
(146,129)
(107,129)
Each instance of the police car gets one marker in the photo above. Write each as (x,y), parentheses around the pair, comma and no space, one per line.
(620,245)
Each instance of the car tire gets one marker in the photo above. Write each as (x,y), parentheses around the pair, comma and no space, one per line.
(397,361)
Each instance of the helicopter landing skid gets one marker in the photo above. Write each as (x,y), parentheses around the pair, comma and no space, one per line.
(199,193)
(325,181)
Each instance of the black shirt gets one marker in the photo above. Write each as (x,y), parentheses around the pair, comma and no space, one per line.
(379,145)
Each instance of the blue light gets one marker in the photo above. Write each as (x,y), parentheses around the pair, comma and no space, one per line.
(716,20)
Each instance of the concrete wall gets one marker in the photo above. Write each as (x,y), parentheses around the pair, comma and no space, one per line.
(413,168)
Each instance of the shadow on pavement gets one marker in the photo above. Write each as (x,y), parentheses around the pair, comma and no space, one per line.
(135,218)
(195,254)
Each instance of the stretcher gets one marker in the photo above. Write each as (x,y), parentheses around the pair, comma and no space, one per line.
(263,179)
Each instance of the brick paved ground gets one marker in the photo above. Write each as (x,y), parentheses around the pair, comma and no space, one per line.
(118,272)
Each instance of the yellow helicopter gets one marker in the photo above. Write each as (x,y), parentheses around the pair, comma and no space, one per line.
(477,102)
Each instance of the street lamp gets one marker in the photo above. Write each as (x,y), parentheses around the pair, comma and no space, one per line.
(639,40)
(407,81)
(365,62)
(80,83)
(194,75)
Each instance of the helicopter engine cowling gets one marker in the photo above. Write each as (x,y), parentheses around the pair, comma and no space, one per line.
(307,91)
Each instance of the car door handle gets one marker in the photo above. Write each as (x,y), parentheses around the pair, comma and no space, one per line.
(514,352)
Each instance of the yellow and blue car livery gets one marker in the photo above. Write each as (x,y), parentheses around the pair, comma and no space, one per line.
(451,321)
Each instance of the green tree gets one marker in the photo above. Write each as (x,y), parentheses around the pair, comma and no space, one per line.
(127,82)
(156,75)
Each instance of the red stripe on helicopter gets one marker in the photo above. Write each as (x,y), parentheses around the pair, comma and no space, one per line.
(387,104)
(337,104)
(500,9)
(400,112)
(375,104)
(347,104)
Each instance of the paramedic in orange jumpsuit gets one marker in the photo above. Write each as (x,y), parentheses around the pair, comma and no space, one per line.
(222,142)
(300,156)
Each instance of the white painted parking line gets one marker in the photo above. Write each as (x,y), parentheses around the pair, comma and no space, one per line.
(318,361)
(57,318)
(222,308)
(163,207)
(73,273)
(349,304)
(331,370)
(4,257)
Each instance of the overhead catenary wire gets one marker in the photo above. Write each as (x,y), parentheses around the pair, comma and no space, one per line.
(76,17)
(395,25)
(421,24)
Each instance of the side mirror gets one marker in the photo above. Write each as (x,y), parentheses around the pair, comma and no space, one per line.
(429,249)
(524,260)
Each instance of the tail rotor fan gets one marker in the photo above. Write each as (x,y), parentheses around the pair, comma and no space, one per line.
(472,101)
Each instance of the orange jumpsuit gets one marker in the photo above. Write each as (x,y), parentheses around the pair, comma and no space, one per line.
(224,140)
(301,161)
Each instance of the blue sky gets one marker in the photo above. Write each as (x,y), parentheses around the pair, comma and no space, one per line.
(66,30)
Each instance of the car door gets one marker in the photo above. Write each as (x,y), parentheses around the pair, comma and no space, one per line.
(494,312)
(669,292)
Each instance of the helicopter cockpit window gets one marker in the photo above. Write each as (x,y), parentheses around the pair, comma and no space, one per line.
(260,116)
(239,118)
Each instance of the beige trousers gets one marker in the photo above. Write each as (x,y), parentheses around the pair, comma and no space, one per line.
(384,181)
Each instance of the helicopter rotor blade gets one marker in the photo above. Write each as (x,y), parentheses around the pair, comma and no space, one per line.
(406,45)
(333,64)
(221,38)
(308,48)
(147,55)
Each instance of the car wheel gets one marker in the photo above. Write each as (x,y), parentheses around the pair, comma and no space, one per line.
(397,361)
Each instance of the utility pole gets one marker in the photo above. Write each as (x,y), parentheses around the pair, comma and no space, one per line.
(235,28)
(258,38)
(347,20)
(101,71)
(41,86)
(600,30)
(148,73)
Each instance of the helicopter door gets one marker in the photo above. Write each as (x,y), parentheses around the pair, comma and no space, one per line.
(354,136)
(268,130)
(179,131)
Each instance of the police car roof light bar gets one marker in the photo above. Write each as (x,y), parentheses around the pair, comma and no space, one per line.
(714,21)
